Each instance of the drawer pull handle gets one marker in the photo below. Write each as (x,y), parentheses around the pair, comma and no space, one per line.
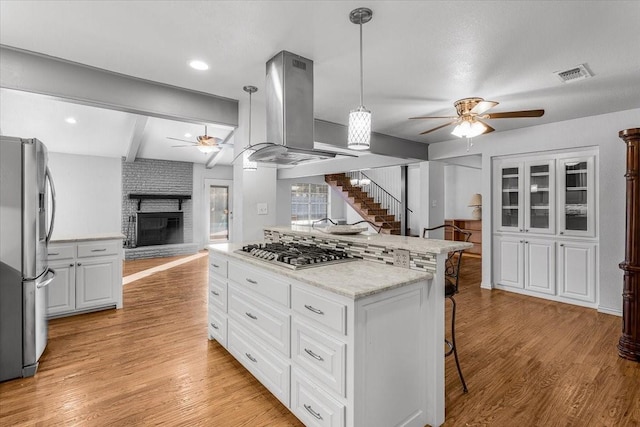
(215,265)
(253,282)
(215,293)
(99,250)
(250,357)
(251,316)
(312,412)
(313,309)
(312,354)
(214,326)
(53,253)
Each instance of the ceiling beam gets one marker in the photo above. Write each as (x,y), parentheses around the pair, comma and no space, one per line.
(31,72)
(384,145)
(136,138)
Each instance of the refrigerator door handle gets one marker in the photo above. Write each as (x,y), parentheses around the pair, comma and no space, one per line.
(45,282)
(53,203)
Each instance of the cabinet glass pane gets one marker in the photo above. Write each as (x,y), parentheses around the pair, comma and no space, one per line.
(576,189)
(539,196)
(510,183)
(509,217)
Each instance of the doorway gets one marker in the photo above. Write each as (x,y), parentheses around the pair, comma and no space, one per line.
(218,194)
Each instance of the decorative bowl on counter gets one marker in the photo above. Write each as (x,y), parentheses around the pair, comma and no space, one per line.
(344,229)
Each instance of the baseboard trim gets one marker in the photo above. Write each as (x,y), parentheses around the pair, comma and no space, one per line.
(484,285)
(612,311)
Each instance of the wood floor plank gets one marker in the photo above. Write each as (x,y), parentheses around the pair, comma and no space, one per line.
(527,362)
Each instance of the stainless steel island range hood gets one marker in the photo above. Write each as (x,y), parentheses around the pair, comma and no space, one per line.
(289,99)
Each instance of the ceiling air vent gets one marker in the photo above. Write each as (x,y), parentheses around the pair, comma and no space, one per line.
(579,72)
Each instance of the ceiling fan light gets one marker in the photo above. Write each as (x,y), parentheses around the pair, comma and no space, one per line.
(476,129)
(206,149)
(359,137)
(247,164)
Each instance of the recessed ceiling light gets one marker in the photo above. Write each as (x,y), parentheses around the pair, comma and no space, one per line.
(198,65)
(70,120)
(187,135)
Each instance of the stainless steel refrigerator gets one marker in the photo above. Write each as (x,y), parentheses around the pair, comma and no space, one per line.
(26,224)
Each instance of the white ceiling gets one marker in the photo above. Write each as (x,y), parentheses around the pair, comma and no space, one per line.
(419,56)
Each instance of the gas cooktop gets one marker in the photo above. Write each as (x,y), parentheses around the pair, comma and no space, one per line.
(295,255)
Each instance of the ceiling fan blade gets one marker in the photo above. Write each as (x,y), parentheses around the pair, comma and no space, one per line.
(515,114)
(434,117)
(183,140)
(439,127)
(483,106)
(489,128)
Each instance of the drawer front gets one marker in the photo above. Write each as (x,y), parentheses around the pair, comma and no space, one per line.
(259,282)
(313,405)
(218,294)
(55,252)
(98,248)
(269,323)
(217,326)
(269,368)
(218,266)
(328,312)
(319,355)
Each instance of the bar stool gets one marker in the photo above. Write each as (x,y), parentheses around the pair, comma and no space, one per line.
(452,274)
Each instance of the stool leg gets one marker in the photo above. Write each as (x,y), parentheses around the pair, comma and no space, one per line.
(453,343)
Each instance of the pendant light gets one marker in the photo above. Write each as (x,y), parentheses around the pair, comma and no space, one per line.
(247,164)
(359,136)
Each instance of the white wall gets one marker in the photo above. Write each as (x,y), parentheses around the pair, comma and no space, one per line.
(199,198)
(89,194)
(596,131)
(460,183)
(413,198)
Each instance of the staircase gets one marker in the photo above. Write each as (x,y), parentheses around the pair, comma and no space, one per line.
(362,203)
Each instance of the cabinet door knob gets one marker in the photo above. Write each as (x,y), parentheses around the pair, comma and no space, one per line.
(70,265)
(79,264)
(521,241)
(520,230)
(562,232)
(562,244)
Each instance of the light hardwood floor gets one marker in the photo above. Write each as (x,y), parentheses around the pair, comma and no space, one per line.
(527,362)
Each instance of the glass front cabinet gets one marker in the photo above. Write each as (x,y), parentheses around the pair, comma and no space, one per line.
(544,223)
(526,196)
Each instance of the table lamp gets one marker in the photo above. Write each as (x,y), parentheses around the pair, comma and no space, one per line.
(476,203)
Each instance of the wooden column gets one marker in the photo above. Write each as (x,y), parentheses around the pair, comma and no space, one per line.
(629,344)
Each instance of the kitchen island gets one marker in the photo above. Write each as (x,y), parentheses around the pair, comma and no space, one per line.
(357,343)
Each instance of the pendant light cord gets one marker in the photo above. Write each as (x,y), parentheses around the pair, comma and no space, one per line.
(249,119)
(361,68)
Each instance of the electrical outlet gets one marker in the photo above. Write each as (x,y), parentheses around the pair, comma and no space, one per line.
(262,209)
(401,258)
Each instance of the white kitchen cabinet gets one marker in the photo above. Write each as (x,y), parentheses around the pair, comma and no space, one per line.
(525,263)
(543,204)
(577,270)
(509,261)
(61,292)
(576,198)
(332,360)
(526,196)
(88,276)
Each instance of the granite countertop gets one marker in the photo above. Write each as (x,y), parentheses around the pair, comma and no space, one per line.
(87,237)
(413,244)
(353,279)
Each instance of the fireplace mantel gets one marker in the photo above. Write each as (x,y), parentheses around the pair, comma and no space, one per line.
(178,197)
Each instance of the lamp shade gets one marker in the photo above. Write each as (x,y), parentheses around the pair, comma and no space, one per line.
(359,137)
(476,200)
(469,129)
(206,149)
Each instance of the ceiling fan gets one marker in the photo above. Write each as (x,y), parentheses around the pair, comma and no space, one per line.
(471,113)
(205,143)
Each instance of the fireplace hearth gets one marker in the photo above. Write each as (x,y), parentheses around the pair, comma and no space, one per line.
(159,228)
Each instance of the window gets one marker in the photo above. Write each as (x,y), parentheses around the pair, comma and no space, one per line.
(309,202)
